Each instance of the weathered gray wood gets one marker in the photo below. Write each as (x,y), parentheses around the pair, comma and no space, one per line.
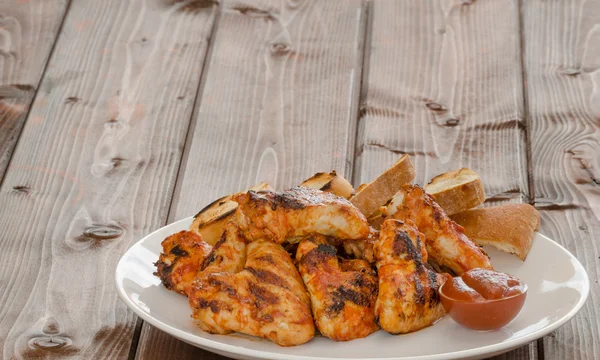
(278,105)
(155,344)
(562,57)
(527,352)
(94,170)
(28,30)
(444,85)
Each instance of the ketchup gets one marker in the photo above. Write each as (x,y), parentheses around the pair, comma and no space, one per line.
(479,285)
(483,299)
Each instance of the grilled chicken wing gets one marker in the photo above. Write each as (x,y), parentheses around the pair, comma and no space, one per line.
(408,299)
(342,294)
(360,249)
(445,240)
(182,256)
(297,212)
(253,289)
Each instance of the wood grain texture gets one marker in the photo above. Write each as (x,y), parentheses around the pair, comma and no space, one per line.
(94,171)
(279,101)
(444,85)
(562,58)
(528,352)
(28,30)
(155,344)
(279,104)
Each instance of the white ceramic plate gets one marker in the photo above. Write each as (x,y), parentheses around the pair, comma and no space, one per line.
(558,287)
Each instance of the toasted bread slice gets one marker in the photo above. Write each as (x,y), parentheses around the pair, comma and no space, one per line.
(508,227)
(457,191)
(211,220)
(361,187)
(380,190)
(330,182)
(376,220)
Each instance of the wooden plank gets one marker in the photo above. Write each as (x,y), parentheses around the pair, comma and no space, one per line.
(28,31)
(94,171)
(155,344)
(562,58)
(524,352)
(279,104)
(444,85)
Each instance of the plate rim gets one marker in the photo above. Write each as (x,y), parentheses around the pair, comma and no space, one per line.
(209,345)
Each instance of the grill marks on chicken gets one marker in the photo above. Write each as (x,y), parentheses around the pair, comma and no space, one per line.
(342,293)
(445,240)
(297,212)
(248,282)
(239,290)
(229,253)
(408,299)
(183,254)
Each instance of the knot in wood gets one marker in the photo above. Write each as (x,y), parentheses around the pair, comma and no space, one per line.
(117,161)
(25,87)
(254,12)
(103,232)
(51,327)
(22,189)
(280,49)
(571,72)
(195,6)
(435,106)
(452,122)
(15,91)
(49,342)
(113,124)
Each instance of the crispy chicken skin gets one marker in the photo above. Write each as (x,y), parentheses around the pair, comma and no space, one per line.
(229,253)
(408,297)
(297,212)
(252,288)
(342,293)
(182,256)
(445,240)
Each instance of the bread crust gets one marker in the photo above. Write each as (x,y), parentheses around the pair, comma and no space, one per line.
(370,197)
(460,190)
(210,221)
(509,227)
(330,182)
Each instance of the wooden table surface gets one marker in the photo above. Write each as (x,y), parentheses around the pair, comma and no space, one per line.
(118,117)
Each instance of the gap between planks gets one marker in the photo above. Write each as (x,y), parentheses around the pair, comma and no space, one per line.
(20,156)
(364,80)
(528,351)
(184,155)
(350,92)
(539,343)
(25,116)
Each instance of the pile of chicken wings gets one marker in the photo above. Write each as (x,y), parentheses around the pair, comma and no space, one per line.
(293,262)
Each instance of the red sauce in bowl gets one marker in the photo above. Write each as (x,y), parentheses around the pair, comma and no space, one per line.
(483,299)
